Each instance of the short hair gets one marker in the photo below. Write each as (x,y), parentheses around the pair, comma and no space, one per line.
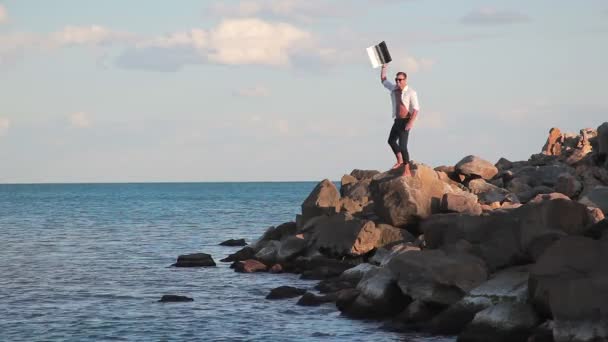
(401,73)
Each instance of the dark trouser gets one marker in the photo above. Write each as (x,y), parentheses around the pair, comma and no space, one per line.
(398,132)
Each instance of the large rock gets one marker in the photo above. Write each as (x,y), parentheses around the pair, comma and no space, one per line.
(364,174)
(517,236)
(402,200)
(323,200)
(570,283)
(597,198)
(553,146)
(342,234)
(383,255)
(473,166)
(504,322)
(389,236)
(358,190)
(378,296)
(436,277)
(547,175)
(507,286)
(194,260)
(460,203)
(274,234)
(488,193)
(268,254)
(290,247)
(243,254)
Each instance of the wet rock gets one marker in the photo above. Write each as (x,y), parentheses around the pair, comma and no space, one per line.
(504,322)
(435,277)
(268,254)
(194,260)
(174,299)
(507,286)
(473,166)
(276,268)
(243,254)
(310,299)
(323,200)
(283,292)
(379,296)
(291,247)
(234,242)
(275,234)
(249,266)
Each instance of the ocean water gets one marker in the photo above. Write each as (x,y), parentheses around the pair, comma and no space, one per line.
(88,262)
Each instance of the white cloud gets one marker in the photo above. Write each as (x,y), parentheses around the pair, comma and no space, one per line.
(490,16)
(233,42)
(255,91)
(300,10)
(80,120)
(87,35)
(4,125)
(3,14)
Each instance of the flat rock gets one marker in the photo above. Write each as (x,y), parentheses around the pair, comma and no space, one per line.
(283,292)
(194,260)
(473,166)
(249,266)
(234,243)
(174,299)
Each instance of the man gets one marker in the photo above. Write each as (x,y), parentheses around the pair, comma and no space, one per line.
(405,111)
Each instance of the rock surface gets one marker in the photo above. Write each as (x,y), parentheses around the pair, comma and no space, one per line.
(194,260)
(174,299)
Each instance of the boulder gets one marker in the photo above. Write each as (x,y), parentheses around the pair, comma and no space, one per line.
(553,146)
(488,193)
(597,198)
(174,299)
(364,174)
(268,254)
(194,260)
(473,166)
(358,191)
(507,286)
(234,243)
(249,266)
(504,322)
(460,203)
(568,185)
(384,255)
(320,267)
(348,205)
(378,296)
(546,175)
(418,311)
(503,238)
(355,274)
(347,180)
(436,277)
(343,234)
(503,164)
(569,283)
(389,236)
(242,254)
(310,299)
(290,247)
(283,292)
(274,234)
(402,200)
(323,200)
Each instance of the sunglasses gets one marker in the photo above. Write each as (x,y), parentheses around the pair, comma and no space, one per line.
(399,79)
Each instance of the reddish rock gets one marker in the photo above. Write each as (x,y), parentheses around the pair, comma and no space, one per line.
(460,203)
(553,146)
(276,268)
(249,266)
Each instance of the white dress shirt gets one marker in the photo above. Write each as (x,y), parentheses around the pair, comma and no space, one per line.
(409,97)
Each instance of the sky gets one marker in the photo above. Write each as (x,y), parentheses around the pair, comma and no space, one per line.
(278,90)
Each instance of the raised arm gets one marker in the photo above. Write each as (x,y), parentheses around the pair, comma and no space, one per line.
(383,73)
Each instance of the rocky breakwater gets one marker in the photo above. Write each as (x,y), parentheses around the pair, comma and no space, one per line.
(510,251)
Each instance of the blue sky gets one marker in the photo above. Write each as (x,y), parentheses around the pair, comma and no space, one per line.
(123,91)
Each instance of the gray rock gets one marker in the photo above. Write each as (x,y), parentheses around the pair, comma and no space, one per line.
(194,260)
(290,247)
(460,203)
(268,254)
(473,166)
(174,299)
(488,193)
(342,235)
(598,198)
(504,322)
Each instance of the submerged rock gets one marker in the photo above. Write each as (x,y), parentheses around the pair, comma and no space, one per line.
(234,242)
(283,292)
(174,298)
(194,260)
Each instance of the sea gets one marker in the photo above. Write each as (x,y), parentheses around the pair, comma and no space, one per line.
(89,262)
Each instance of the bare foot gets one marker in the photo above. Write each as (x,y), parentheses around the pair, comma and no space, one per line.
(406,171)
(397,165)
